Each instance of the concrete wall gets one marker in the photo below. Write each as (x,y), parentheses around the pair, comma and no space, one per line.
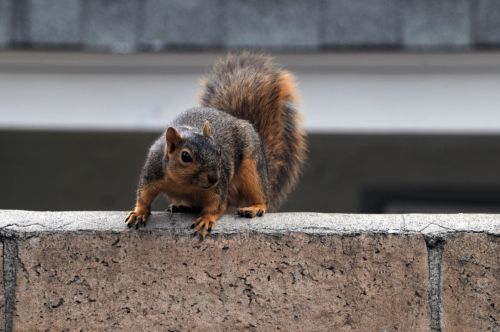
(297,272)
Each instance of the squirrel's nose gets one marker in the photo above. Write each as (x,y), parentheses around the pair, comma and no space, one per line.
(212,178)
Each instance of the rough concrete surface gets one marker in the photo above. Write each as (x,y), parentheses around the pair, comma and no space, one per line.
(27,222)
(471,283)
(2,294)
(297,272)
(152,281)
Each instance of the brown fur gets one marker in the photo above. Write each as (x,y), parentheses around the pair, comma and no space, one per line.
(211,205)
(250,87)
(247,185)
(288,90)
(179,172)
(212,211)
(245,145)
(145,196)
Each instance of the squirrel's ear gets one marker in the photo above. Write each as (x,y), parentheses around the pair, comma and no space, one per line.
(207,130)
(173,138)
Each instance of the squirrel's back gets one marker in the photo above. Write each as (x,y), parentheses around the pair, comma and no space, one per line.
(250,87)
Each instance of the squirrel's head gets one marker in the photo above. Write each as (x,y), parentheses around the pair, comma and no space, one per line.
(193,157)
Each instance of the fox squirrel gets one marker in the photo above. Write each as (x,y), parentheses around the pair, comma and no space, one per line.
(241,149)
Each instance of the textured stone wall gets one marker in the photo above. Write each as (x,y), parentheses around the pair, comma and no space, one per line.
(134,25)
(297,272)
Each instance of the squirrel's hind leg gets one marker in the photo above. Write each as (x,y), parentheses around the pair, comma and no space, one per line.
(249,184)
(252,211)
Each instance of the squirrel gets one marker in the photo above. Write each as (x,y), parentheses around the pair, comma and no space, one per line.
(242,149)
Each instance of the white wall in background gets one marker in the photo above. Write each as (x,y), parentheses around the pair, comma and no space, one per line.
(341,93)
(105,101)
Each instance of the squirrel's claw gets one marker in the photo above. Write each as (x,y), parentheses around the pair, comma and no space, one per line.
(130,220)
(137,219)
(202,226)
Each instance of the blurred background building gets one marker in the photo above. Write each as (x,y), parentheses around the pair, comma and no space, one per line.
(401,98)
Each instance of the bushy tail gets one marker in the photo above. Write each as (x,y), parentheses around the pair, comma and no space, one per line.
(249,86)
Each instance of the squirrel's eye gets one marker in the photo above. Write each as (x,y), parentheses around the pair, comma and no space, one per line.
(186,157)
(220,152)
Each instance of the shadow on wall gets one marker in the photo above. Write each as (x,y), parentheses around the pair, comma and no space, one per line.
(43,170)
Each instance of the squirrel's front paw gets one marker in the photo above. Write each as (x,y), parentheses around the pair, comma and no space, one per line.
(137,217)
(203,225)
